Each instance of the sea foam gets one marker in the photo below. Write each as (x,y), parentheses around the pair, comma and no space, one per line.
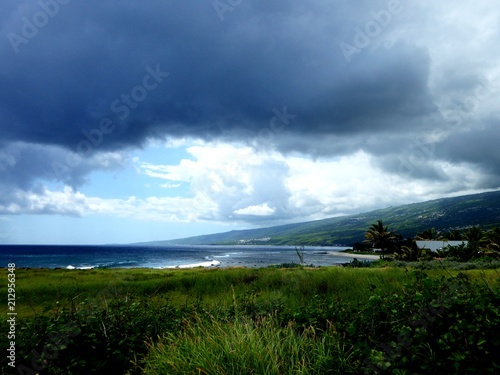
(211,263)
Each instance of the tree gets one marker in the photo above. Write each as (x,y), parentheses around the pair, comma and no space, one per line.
(474,235)
(412,253)
(453,235)
(429,234)
(379,236)
(492,243)
(463,252)
(476,239)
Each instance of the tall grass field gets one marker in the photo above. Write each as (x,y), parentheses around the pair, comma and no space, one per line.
(329,320)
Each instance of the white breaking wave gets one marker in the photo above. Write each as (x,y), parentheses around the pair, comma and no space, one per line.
(70,267)
(211,263)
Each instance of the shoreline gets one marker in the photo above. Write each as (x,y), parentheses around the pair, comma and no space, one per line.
(358,256)
(213,264)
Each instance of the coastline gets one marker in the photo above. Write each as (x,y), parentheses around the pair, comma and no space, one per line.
(357,256)
(90,257)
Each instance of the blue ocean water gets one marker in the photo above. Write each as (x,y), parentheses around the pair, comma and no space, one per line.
(87,257)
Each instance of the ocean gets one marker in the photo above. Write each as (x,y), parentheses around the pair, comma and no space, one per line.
(90,257)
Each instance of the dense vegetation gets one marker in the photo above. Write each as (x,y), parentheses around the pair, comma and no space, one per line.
(476,244)
(336,320)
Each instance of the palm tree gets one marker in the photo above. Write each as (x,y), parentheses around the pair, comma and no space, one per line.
(453,235)
(492,238)
(476,240)
(474,235)
(379,236)
(410,252)
(429,234)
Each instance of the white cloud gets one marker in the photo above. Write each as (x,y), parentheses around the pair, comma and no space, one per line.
(230,176)
(260,210)
(65,202)
(229,183)
(268,187)
(170,186)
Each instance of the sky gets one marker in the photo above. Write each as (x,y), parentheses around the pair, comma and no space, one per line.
(126,121)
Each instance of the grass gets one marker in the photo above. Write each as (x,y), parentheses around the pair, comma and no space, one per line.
(235,347)
(337,320)
(39,289)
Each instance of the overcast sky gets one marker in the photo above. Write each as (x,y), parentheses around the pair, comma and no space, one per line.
(125,121)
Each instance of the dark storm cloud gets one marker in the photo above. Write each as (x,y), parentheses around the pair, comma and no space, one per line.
(99,76)
(479,147)
(20,161)
(225,76)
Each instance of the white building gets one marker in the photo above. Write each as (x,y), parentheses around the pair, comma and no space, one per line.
(438,245)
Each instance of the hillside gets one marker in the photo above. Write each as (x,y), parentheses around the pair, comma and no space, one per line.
(442,214)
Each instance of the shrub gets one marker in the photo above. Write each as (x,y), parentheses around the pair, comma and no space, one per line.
(92,339)
(358,264)
(434,326)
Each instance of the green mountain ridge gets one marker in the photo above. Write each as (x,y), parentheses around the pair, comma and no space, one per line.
(443,214)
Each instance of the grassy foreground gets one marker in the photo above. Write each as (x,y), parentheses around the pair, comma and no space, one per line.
(262,321)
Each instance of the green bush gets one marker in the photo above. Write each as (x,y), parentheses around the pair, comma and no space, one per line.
(436,325)
(358,264)
(92,339)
